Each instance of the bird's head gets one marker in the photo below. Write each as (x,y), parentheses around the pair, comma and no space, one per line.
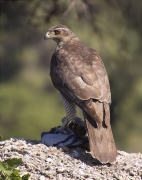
(59,34)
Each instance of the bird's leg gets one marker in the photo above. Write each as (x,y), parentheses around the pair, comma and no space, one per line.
(70,111)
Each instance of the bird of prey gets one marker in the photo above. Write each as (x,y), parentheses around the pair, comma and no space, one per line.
(79,74)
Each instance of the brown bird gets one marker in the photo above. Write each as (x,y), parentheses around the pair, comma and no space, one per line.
(79,74)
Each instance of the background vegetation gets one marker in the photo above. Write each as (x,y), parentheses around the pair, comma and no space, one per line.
(29,104)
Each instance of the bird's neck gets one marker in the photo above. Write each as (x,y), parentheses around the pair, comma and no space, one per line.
(65,42)
(59,45)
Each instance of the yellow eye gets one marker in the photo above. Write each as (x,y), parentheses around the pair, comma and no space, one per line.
(57,32)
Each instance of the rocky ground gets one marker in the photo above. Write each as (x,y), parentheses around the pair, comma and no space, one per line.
(50,163)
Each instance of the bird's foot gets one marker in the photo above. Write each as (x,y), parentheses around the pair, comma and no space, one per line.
(64,128)
(78,127)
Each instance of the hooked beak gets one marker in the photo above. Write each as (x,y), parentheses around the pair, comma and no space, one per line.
(46,36)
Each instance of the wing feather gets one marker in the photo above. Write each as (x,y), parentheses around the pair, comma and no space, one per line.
(85,79)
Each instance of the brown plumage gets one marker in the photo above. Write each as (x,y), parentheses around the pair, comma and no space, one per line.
(79,74)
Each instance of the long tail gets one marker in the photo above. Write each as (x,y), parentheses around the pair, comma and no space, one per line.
(101,139)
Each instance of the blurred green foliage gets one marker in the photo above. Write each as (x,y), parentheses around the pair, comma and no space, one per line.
(29,104)
(8,170)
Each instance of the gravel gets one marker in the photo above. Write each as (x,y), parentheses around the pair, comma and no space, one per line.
(50,163)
